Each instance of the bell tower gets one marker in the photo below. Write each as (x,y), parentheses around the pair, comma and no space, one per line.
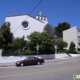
(41,17)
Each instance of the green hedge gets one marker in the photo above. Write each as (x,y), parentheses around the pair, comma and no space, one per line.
(63,51)
(67,51)
(26,53)
(29,53)
(73,52)
(20,53)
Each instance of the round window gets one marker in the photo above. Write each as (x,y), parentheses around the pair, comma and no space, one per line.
(25,25)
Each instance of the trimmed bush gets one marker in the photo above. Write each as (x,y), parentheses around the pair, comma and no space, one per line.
(30,53)
(21,53)
(63,51)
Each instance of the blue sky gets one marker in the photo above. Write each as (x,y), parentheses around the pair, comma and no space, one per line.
(57,11)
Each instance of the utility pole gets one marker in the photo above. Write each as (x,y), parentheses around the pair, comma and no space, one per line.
(55,49)
(37,48)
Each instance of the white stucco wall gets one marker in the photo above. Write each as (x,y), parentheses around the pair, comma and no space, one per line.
(35,25)
(71,35)
(7,59)
(78,33)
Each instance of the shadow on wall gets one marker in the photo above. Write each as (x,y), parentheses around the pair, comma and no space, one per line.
(69,54)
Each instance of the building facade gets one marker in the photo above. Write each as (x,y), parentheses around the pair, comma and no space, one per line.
(24,24)
(72,35)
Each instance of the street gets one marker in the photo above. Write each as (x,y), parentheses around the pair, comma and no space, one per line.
(62,70)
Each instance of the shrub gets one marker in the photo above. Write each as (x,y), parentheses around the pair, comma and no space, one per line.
(72,47)
(30,53)
(21,53)
(63,51)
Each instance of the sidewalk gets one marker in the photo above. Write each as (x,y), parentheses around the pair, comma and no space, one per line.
(62,59)
(46,61)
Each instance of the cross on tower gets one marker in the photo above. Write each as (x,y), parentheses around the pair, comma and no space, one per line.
(40,13)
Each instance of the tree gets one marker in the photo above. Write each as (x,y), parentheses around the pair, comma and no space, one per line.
(49,30)
(1,41)
(33,39)
(43,40)
(19,44)
(60,44)
(6,36)
(72,47)
(58,30)
(46,43)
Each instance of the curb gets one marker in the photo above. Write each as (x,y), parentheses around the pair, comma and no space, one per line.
(7,64)
(4,66)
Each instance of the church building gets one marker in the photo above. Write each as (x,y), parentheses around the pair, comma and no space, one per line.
(24,24)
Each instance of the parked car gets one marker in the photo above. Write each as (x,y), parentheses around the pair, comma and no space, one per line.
(30,61)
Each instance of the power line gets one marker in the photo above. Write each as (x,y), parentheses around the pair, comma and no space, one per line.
(29,14)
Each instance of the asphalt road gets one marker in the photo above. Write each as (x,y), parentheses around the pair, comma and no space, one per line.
(62,70)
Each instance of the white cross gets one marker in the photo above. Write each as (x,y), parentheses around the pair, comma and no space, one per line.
(40,13)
